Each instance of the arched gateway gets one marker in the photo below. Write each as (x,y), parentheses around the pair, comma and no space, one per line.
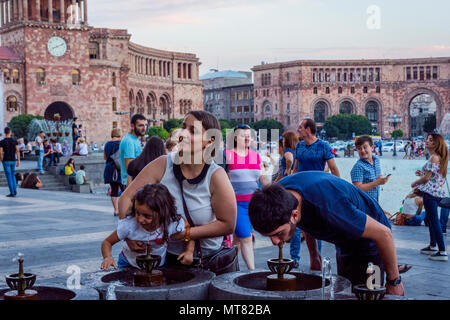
(63,109)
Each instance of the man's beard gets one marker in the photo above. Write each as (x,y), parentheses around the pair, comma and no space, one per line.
(137,133)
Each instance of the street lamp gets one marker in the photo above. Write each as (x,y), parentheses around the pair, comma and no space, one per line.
(394,120)
(120,113)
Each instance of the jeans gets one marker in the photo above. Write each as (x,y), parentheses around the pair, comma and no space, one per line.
(296,244)
(10,171)
(50,157)
(431,209)
(444,219)
(40,160)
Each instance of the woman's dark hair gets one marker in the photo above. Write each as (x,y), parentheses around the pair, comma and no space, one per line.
(154,148)
(158,199)
(30,181)
(70,160)
(270,208)
(19,176)
(209,121)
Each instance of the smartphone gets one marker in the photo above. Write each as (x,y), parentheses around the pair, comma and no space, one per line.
(389,175)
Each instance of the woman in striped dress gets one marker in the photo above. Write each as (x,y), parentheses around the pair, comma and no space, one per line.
(244,170)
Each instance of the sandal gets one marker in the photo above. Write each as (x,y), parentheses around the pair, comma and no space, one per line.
(402,268)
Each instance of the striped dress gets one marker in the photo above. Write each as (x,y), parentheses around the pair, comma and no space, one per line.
(244,173)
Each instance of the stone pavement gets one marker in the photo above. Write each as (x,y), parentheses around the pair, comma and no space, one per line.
(55,230)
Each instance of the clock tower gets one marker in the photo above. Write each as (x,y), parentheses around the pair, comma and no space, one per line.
(52,39)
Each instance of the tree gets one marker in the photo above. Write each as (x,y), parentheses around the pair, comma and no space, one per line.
(342,126)
(228,124)
(159,132)
(268,124)
(397,133)
(430,123)
(20,124)
(172,124)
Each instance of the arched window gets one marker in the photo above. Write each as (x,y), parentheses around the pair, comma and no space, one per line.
(131,97)
(6,75)
(11,103)
(319,112)
(114,78)
(340,90)
(345,107)
(114,104)
(76,77)
(315,90)
(15,76)
(40,76)
(327,90)
(372,111)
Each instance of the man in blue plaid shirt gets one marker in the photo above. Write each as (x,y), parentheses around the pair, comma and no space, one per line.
(366,173)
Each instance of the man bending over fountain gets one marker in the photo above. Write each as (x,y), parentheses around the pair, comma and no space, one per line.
(330,209)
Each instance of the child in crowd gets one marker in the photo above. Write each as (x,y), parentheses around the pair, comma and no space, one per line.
(154,219)
(366,173)
(80,176)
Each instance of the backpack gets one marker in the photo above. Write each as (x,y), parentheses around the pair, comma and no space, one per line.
(116,159)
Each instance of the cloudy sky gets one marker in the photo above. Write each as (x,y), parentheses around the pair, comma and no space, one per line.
(239,34)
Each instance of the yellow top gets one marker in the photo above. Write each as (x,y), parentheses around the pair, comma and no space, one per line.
(68,170)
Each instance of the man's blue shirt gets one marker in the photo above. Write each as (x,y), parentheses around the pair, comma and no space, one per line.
(365,172)
(336,211)
(314,156)
(130,148)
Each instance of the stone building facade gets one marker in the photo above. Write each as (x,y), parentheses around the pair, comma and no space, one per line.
(291,91)
(54,62)
(229,95)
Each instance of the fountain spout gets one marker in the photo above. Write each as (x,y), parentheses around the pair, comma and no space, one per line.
(148,276)
(21,284)
(280,280)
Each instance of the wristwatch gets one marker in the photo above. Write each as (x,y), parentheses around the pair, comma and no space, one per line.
(394,282)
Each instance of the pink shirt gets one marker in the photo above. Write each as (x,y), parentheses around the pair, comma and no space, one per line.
(244,173)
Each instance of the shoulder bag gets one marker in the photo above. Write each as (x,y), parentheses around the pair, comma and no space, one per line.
(223,260)
(445,202)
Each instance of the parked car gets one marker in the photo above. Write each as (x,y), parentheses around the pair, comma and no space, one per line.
(389,146)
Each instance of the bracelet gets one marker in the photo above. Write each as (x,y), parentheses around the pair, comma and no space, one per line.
(187,235)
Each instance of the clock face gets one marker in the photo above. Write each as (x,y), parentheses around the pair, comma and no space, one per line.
(57,46)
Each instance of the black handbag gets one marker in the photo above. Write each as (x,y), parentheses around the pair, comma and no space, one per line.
(445,202)
(223,260)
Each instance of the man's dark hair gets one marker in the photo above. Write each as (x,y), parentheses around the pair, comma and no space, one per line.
(311,124)
(363,139)
(75,119)
(82,167)
(137,117)
(7,130)
(271,207)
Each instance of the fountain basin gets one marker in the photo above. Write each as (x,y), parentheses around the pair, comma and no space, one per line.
(179,284)
(252,285)
(58,292)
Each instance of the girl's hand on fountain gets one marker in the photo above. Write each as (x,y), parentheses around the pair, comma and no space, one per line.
(136,246)
(108,262)
(187,258)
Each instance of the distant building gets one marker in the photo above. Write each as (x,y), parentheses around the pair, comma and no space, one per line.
(53,61)
(293,90)
(229,95)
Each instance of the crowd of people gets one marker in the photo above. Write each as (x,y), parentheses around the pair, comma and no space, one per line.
(187,195)
(305,199)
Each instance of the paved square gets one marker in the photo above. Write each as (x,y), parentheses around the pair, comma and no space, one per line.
(57,229)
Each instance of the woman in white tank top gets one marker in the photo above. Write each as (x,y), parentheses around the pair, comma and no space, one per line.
(207,190)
